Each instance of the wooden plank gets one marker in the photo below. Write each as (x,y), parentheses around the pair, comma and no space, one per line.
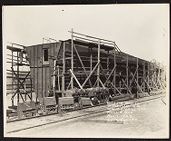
(36,79)
(98,68)
(14,49)
(114,64)
(90,74)
(39,80)
(48,87)
(63,67)
(76,79)
(137,78)
(72,58)
(34,60)
(50,65)
(91,59)
(82,64)
(127,72)
(40,56)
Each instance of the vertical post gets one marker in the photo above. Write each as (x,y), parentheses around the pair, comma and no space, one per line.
(91,60)
(137,77)
(72,58)
(12,76)
(127,81)
(98,69)
(153,75)
(114,65)
(54,77)
(148,73)
(37,95)
(42,71)
(58,78)
(154,72)
(18,97)
(159,76)
(144,75)
(31,88)
(107,67)
(159,73)
(63,70)
(12,72)
(120,85)
(25,95)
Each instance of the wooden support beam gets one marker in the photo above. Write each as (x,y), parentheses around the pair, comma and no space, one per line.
(107,61)
(12,75)
(144,75)
(98,69)
(116,88)
(159,78)
(54,77)
(147,84)
(82,65)
(138,87)
(103,73)
(104,41)
(90,74)
(91,59)
(88,36)
(114,64)
(153,81)
(120,85)
(72,58)
(110,75)
(58,75)
(43,94)
(21,97)
(112,84)
(19,83)
(76,79)
(25,96)
(101,83)
(37,62)
(127,81)
(137,78)
(18,97)
(148,73)
(133,77)
(69,85)
(63,69)
(95,83)
(31,98)
(127,87)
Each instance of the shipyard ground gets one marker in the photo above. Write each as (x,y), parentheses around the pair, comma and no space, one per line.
(143,118)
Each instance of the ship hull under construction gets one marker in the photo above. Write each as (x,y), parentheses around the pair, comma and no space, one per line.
(88,71)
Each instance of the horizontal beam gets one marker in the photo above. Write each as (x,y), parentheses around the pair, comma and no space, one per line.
(88,36)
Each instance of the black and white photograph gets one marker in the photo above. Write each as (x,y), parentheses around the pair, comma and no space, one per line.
(86,71)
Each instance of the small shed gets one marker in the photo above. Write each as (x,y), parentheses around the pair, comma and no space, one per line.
(41,58)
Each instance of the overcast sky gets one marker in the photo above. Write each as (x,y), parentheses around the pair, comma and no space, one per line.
(140,30)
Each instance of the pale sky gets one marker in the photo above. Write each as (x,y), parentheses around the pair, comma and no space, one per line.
(140,30)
